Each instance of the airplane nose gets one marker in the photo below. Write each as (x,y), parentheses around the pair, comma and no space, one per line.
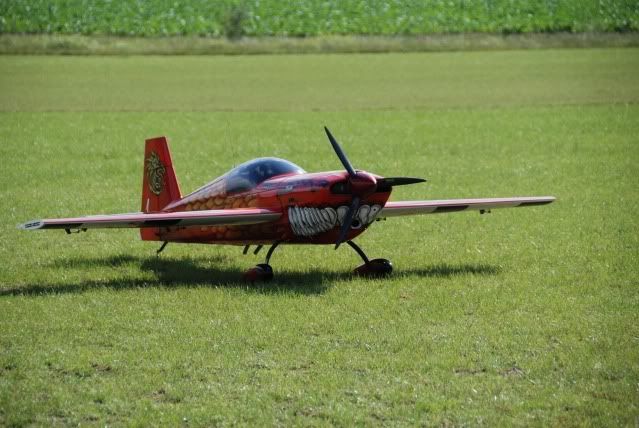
(363,184)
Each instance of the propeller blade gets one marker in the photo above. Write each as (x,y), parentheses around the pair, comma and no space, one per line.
(400,181)
(348,221)
(385,184)
(340,153)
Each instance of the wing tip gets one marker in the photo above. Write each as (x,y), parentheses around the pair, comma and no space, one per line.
(31,225)
(538,200)
(548,199)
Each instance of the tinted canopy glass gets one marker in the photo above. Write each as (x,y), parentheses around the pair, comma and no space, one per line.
(249,174)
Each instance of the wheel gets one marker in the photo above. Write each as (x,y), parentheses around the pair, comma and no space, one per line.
(262,272)
(375,268)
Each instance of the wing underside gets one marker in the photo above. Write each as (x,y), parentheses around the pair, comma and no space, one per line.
(402,208)
(239,216)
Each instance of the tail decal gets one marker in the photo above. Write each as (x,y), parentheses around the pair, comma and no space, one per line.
(155,171)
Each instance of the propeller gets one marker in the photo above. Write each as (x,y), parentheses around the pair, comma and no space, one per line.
(387,183)
(340,153)
(361,185)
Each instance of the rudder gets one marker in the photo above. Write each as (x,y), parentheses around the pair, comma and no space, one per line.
(159,184)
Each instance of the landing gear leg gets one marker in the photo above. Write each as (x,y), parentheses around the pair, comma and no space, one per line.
(263,271)
(371,268)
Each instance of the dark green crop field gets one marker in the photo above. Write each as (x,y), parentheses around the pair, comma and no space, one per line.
(315,17)
(525,316)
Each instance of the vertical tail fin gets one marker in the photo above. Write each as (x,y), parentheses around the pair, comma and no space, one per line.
(159,185)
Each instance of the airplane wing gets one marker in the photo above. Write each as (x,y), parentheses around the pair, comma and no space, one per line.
(240,216)
(400,208)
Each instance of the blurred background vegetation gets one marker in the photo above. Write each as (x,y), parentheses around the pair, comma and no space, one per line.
(312,18)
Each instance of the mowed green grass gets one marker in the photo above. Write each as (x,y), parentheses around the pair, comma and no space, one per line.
(521,317)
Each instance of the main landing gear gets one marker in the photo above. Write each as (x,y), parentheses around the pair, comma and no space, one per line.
(262,272)
(371,268)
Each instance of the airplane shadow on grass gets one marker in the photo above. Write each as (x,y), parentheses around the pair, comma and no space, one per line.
(196,272)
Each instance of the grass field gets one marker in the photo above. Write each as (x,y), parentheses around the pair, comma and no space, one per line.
(521,317)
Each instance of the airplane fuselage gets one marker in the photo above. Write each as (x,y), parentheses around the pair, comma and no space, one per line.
(313,206)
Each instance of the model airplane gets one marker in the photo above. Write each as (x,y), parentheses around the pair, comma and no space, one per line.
(270,201)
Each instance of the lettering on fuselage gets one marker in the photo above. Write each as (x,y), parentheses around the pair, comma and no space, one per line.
(290,185)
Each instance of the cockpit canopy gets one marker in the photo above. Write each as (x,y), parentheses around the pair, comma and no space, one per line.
(249,174)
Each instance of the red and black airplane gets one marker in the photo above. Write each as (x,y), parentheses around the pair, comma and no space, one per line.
(270,201)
